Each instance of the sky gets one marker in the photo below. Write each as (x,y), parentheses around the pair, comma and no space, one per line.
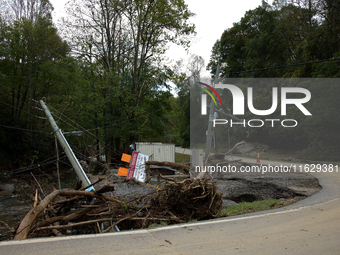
(211,19)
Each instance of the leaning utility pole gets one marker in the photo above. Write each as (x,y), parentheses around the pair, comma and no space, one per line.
(211,114)
(67,149)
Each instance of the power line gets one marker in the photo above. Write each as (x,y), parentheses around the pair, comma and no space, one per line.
(23,129)
(89,134)
(34,167)
(39,117)
(75,125)
(279,67)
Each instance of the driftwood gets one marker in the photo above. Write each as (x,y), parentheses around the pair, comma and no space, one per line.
(6,225)
(30,217)
(65,211)
(202,174)
(189,199)
(28,220)
(74,224)
(238,144)
(177,166)
(229,162)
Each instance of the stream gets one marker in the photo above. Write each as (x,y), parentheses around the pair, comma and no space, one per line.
(12,210)
(14,207)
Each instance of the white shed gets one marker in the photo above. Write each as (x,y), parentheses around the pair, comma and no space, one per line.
(157,151)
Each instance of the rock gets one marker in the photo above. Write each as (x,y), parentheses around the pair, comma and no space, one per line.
(227,202)
(251,148)
(5,193)
(244,148)
(7,187)
(84,165)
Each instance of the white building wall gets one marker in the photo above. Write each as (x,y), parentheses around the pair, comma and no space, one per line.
(157,151)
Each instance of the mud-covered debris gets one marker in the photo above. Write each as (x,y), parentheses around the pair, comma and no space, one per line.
(190,199)
(65,212)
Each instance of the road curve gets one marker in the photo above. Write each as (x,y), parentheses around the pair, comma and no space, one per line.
(311,226)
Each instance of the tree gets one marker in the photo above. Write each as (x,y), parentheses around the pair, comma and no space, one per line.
(33,64)
(277,41)
(126,41)
(195,65)
(32,10)
(215,57)
(249,44)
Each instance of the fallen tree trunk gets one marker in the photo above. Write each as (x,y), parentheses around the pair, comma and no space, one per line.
(66,212)
(28,220)
(30,217)
(229,162)
(238,144)
(202,174)
(173,165)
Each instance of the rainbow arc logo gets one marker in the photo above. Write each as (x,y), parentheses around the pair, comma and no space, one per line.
(213,90)
(204,97)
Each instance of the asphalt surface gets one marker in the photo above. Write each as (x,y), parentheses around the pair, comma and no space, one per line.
(311,226)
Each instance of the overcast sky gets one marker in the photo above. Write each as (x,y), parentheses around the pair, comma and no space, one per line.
(212,18)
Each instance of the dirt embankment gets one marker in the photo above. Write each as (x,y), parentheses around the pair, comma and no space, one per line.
(236,187)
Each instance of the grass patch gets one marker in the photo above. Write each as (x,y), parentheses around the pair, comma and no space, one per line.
(247,207)
(181,158)
(161,224)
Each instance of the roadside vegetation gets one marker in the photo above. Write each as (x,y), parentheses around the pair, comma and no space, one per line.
(243,208)
(103,71)
(248,207)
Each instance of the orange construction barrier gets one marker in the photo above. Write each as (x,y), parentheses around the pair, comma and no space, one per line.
(123,171)
(126,158)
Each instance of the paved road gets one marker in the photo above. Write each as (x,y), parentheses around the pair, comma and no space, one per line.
(311,226)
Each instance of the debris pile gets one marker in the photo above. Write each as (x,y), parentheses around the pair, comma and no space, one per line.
(190,199)
(69,212)
(181,167)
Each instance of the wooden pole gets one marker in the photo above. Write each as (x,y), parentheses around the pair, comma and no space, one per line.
(56,148)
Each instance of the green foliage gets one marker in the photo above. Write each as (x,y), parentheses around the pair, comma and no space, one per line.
(161,224)
(180,114)
(114,85)
(125,206)
(248,207)
(122,66)
(33,65)
(285,35)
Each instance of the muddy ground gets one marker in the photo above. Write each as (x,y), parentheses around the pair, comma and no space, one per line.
(236,187)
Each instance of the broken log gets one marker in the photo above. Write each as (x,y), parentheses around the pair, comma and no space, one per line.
(28,220)
(74,224)
(6,225)
(175,202)
(177,166)
(202,174)
(30,217)
(229,162)
(238,144)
